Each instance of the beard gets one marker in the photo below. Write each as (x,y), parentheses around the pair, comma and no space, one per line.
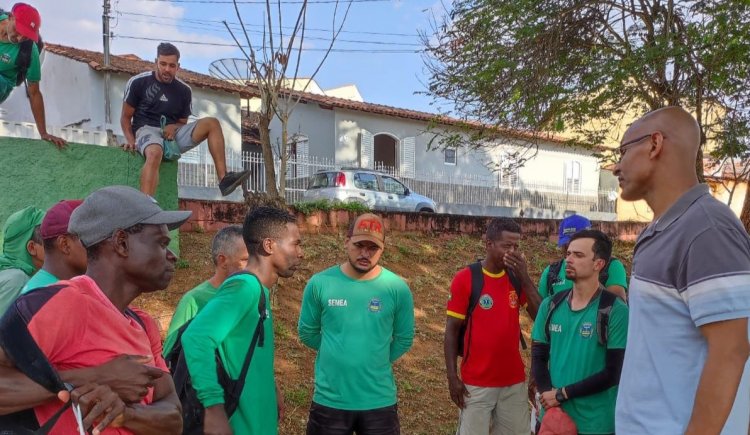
(361,269)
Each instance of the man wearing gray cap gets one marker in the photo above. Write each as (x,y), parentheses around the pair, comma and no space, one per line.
(126,235)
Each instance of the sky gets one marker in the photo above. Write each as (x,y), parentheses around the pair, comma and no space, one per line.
(379,43)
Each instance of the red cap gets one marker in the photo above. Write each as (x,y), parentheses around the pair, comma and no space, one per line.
(557,422)
(55,222)
(368,227)
(27,20)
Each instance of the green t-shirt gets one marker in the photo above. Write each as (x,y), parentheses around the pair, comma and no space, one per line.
(40,279)
(8,54)
(227,323)
(358,328)
(575,354)
(191,302)
(617,276)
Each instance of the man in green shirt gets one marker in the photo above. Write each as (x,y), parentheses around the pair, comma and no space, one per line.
(616,282)
(64,255)
(19,62)
(23,253)
(359,316)
(227,323)
(229,255)
(571,366)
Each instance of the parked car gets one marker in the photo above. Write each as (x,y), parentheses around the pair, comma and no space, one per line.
(377,190)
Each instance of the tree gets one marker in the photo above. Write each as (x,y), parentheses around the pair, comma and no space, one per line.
(270,63)
(585,66)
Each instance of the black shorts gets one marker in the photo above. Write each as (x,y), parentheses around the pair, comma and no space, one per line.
(330,421)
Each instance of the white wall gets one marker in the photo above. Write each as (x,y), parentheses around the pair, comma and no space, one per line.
(317,124)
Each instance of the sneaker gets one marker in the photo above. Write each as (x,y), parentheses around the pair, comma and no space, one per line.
(231,181)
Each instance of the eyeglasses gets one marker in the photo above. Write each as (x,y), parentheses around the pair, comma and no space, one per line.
(624,147)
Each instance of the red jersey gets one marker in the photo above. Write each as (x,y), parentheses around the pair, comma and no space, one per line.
(80,327)
(492,335)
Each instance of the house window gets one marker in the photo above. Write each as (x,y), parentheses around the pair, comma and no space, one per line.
(572,177)
(450,156)
(508,176)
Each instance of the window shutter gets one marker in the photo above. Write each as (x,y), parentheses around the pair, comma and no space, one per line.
(303,151)
(366,149)
(408,150)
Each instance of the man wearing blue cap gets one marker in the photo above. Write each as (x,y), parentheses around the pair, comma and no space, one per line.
(553,278)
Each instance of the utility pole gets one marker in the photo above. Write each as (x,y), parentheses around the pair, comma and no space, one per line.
(107,101)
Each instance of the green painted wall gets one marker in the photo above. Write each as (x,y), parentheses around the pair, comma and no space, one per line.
(35,173)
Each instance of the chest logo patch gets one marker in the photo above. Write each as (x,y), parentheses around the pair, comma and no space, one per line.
(513,299)
(374,306)
(485,301)
(586,330)
(163,98)
(337,302)
(5,58)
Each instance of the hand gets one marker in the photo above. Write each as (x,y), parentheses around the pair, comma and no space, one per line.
(516,262)
(280,402)
(531,392)
(548,399)
(129,147)
(129,376)
(169,131)
(458,391)
(98,404)
(57,141)
(216,421)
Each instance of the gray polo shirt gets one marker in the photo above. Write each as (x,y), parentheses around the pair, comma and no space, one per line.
(691,267)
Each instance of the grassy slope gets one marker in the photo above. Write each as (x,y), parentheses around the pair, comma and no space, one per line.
(427,263)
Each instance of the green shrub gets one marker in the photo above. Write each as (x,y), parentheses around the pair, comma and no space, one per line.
(309,207)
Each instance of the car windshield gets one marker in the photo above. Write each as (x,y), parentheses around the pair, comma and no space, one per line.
(325,179)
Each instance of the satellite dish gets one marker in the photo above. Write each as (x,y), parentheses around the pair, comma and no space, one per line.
(231,69)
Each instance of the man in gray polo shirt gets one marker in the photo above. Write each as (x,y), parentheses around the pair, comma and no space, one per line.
(689,292)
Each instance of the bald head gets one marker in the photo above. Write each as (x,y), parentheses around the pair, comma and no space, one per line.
(679,128)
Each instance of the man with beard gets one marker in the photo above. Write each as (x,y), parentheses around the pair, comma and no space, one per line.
(359,316)
(573,364)
(227,323)
(154,120)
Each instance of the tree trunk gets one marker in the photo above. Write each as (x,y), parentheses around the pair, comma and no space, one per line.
(745,214)
(265,143)
(284,157)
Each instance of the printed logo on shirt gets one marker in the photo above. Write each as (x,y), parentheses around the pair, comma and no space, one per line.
(513,299)
(163,98)
(336,302)
(555,327)
(485,301)
(586,330)
(5,58)
(374,305)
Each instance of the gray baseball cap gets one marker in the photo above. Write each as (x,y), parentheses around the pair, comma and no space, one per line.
(119,207)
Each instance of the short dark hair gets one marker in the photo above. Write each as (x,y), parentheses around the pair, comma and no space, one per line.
(497,225)
(602,243)
(223,239)
(264,223)
(36,235)
(167,49)
(92,252)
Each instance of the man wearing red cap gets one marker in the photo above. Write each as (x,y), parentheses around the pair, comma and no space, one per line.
(19,61)
(64,255)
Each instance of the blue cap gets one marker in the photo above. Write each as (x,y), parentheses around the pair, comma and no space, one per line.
(571,225)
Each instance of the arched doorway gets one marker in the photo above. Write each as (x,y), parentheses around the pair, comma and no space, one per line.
(385,151)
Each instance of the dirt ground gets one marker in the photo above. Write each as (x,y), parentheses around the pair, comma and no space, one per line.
(427,263)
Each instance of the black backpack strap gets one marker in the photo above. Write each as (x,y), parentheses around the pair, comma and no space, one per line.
(477,284)
(606,301)
(604,273)
(132,314)
(515,281)
(552,273)
(554,302)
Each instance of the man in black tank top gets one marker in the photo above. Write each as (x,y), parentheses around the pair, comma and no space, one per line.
(154,120)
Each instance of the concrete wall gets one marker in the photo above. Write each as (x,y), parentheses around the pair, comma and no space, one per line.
(74,93)
(317,124)
(36,173)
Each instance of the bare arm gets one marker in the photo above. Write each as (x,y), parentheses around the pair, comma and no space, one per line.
(126,122)
(728,350)
(36,100)
(163,416)
(450,349)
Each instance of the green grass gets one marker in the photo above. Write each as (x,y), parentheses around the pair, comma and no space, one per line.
(182,264)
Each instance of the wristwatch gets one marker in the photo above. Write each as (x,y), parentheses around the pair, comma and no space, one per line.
(559,396)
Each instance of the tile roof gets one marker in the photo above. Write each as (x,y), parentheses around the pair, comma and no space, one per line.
(131,64)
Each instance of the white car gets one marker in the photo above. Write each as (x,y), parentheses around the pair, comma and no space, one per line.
(374,189)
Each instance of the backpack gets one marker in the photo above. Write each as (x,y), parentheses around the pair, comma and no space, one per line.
(477,284)
(193,411)
(23,59)
(554,271)
(606,301)
(21,349)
